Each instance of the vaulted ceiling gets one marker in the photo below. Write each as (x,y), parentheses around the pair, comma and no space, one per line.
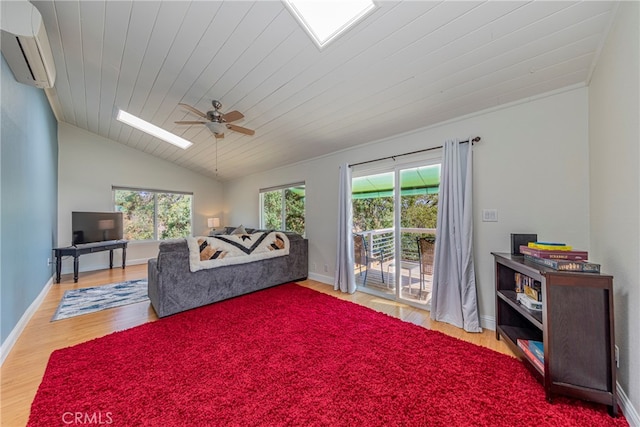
(408,65)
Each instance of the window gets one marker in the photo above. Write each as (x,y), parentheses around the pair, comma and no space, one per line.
(326,20)
(282,208)
(153,214)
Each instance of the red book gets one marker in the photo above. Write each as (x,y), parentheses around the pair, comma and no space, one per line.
(541,253)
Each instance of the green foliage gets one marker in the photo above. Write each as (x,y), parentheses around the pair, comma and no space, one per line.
(372,214)
(139,210)
(420,211)
(174,215)
(294,211)
(377,213)
(294,214)
(272,210)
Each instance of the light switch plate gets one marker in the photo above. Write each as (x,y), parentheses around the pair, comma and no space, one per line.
(489,215)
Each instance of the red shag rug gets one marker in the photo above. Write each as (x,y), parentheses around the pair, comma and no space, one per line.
(293,356)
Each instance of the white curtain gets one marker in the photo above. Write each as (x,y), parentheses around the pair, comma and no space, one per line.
(345,277)
(454,297)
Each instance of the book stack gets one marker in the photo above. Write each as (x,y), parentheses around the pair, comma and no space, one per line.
(558,256)
(528,286)
(529,302)
(534,351)
(529,292)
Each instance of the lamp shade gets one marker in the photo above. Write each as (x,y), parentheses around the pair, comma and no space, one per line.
(213,222)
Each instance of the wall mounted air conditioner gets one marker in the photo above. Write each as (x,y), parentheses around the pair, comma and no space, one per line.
(25,45)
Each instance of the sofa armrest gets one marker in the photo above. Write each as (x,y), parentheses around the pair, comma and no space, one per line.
(153,283)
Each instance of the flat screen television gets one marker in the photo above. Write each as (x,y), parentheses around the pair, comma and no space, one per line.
(91,227)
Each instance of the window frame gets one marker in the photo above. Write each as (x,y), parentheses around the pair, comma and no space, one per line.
(155,193)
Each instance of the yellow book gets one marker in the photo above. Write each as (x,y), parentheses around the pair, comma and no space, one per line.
(549,247)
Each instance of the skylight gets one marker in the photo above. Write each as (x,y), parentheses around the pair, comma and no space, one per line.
(325,20)
(153,130)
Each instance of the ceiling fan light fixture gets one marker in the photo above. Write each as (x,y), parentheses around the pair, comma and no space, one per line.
(152,129)
(216,127)
(217,122)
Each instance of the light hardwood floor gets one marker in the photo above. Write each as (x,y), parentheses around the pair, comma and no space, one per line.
(24,367)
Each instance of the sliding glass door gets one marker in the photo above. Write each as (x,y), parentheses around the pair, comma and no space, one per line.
(417,209)
(392,210)
(374,236)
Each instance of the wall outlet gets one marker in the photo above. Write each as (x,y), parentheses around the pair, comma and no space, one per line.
(314,266)
(489,215)
(617,356)
(49,262)
(326,268)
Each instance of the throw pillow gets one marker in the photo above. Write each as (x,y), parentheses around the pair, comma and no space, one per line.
(239,230)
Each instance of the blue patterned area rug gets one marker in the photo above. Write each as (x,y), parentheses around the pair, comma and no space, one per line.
(89,300)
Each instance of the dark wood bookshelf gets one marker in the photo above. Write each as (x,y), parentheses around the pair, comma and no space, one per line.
(575,326)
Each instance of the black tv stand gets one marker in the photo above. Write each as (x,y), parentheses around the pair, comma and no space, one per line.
(80,249)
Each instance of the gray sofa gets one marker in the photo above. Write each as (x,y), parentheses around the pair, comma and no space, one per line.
(174,288)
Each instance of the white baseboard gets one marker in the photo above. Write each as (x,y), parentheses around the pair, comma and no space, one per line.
(138,261)
(8,343)
(321,278)
(488,322)
(94,267)
(630,413)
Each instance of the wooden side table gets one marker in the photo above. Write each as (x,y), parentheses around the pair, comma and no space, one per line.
(88,248)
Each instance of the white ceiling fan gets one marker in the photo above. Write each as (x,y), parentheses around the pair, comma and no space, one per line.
(216,121)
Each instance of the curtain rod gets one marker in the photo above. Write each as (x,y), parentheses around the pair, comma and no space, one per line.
(476,139)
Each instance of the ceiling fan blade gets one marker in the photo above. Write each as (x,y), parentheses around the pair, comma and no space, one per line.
(241,129)
(193,110)
(232,116)
(190,122)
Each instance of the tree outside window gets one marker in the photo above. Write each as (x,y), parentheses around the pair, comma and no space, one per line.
(272,210)
(154,215)
(283,208)
(373,204)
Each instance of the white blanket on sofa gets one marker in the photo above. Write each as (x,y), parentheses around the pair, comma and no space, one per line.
(220,250)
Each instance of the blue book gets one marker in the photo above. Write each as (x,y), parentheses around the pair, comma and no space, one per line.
(537,349)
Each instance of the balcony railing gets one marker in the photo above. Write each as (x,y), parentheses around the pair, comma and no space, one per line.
(381,248)
(381,242)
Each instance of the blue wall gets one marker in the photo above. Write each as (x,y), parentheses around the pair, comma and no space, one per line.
(28,196)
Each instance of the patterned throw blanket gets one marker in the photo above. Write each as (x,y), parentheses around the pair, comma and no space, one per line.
(217,251)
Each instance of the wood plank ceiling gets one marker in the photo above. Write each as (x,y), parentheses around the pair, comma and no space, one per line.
(408,65)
